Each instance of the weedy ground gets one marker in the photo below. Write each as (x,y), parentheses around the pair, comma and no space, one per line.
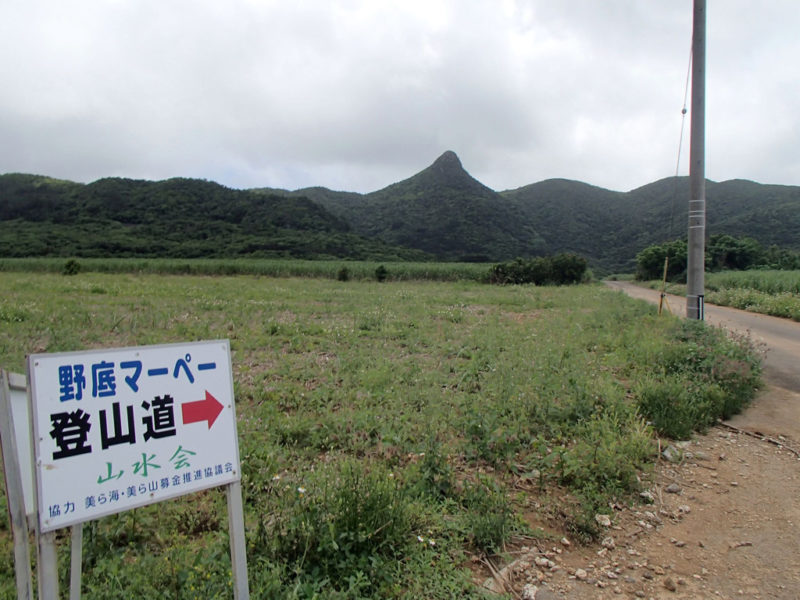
(775,293)
(388,431)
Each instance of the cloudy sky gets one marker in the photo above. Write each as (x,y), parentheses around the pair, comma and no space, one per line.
(357,94)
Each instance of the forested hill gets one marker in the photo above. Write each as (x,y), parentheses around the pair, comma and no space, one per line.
(40,216)
(442,212)
(612,227)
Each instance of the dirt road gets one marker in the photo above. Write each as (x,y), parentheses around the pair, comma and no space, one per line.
(725,517)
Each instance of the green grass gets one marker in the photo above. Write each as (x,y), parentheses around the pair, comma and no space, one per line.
(383,427)
(775,293)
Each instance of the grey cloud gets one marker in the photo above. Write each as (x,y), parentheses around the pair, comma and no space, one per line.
(355,94)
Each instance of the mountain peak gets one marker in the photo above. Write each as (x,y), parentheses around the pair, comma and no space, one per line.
(448,162)
(447,171)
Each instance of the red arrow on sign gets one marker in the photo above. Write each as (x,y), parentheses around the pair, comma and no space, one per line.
(201,410)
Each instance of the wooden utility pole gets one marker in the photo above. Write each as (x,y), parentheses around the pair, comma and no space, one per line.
(695,273)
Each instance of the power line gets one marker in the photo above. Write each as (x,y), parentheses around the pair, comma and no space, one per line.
(684,110)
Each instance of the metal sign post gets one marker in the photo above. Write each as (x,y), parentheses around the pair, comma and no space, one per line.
(11,383)
(241,587)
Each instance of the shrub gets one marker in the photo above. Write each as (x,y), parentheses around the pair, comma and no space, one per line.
(381,273)
(674,406)
(608,451)
(567,268)
(489,518)
(343,274)
(71,267)
(435,476)
(489,437)
(727,252)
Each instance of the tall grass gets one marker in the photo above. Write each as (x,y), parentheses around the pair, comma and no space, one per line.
(324,269)
(768,282)
(775,293)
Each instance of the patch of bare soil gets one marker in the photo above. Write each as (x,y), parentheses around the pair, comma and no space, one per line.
(721,520)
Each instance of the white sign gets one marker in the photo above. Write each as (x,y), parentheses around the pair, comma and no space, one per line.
(120,428)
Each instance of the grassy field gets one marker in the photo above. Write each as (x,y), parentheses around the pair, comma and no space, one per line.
(775,293)
(388,431)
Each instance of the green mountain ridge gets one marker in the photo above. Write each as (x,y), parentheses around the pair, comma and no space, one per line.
(178,217)
(440,213)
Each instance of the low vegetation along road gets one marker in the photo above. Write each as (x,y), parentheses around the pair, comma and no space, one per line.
(780,338)
(725,522)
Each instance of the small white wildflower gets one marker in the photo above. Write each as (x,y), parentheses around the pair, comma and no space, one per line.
(431,542)
(420,539)
(391,475)
(301,490)
(276,477)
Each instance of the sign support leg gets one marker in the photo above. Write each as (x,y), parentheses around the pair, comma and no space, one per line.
(241,588)
(76,562)
(15,493)
(48,566)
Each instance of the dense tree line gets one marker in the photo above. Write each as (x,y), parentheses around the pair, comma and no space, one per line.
(561,269)
(723,252)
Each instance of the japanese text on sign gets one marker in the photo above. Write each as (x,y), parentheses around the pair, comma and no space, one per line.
(121,428)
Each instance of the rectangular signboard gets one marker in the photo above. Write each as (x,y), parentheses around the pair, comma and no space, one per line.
(124,427)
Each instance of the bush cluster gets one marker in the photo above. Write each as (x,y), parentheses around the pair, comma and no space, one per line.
(561,269)
(71,267)
(704,375)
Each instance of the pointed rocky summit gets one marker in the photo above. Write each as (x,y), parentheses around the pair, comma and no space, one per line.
(447,171)
(448,162)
